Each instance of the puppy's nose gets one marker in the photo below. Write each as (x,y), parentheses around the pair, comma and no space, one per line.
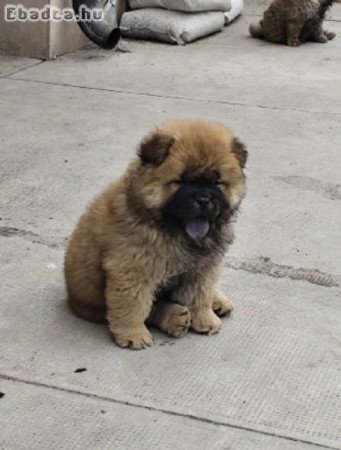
(203,201)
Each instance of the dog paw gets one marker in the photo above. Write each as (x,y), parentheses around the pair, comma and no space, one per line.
(329,34)
(322,39)
(134,338)
(178,320)
(222,305)
(206,322)
(294,43)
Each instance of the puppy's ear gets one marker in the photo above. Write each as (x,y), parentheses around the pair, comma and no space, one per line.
(155,148)
(239,149)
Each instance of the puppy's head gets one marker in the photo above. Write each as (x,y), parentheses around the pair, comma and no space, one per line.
(190,176)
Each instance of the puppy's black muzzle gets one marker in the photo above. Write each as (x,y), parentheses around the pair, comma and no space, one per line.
(196,199)
(203,202)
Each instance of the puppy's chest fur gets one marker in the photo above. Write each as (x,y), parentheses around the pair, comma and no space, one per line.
(186,262)
(175,276)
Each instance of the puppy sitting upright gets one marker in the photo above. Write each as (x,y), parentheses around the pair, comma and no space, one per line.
(293,22)
(148,249)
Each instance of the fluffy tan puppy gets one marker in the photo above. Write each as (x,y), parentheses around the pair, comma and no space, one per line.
(293,22)
(148,249)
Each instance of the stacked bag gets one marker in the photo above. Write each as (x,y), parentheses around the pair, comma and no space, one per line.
(178,21)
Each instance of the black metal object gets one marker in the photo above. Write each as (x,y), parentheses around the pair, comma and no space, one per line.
(102,28)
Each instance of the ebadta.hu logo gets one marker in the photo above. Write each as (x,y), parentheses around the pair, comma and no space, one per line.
(19,13)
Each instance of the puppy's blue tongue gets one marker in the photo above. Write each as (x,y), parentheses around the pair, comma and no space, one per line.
(197,228)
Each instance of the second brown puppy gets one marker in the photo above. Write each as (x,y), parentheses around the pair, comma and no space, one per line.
(293,22)
(148,249)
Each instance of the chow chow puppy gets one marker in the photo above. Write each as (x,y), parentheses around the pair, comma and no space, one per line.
(148,249)
(293,22)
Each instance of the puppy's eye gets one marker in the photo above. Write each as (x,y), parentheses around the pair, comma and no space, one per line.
(176,183)
(219,183)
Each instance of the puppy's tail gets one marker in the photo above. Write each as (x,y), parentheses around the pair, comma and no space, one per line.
(256,30)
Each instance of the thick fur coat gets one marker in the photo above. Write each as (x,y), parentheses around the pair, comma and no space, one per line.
(293,22)
(148,249)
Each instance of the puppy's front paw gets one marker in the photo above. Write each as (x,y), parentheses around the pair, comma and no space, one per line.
(293,43)
(222,305)
(135,338)
(177,321)
(205,321)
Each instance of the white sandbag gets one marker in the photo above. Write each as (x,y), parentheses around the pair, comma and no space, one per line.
(235,11)
(183,5)
(170,26)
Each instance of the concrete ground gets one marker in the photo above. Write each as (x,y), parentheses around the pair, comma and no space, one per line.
(271,379)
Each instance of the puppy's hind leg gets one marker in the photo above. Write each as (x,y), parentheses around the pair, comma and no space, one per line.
(329,34)
(171,318)
(91,311)
(86,295)
(317,34)
(222,306)
(256,30)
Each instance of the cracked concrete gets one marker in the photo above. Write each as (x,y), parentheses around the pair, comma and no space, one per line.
(263,265)
(328,190)
(271,378)
(27,235)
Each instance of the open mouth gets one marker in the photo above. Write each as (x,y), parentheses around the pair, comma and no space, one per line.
(197,228)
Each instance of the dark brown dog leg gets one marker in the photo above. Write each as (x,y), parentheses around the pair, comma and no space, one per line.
(169,317)
(293,32)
